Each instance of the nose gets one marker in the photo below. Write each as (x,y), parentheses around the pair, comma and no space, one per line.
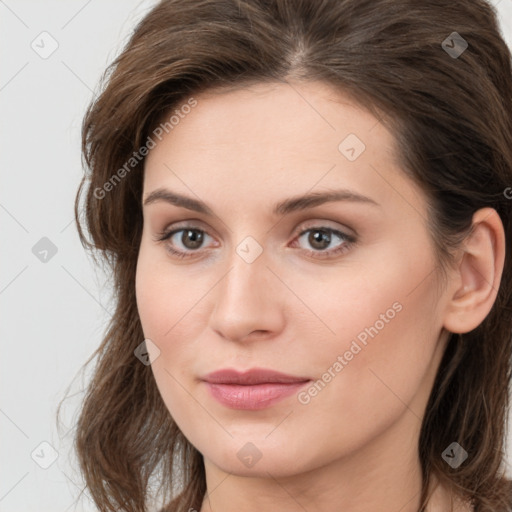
(249,301)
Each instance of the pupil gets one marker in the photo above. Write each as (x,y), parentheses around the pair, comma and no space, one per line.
(195,236)
(323,237)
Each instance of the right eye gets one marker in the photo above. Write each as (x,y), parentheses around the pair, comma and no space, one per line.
(191,239)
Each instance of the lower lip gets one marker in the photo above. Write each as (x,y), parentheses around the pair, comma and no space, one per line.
(258,396)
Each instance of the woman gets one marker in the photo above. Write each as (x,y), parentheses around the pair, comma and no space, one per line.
(305,207)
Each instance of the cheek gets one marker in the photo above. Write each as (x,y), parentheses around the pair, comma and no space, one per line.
(165,294)
(172,309)
(378,360)
(166,304)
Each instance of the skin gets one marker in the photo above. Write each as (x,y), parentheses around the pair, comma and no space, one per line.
(353,446)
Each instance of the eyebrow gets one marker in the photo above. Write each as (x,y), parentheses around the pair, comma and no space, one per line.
(287,206)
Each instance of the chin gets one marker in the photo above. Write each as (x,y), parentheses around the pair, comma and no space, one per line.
(259,458)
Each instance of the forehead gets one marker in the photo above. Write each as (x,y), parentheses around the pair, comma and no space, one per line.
(274,140)
(294,111)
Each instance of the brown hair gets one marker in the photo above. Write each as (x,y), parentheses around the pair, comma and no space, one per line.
(451,116)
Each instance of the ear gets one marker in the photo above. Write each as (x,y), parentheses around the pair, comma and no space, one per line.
(475,285)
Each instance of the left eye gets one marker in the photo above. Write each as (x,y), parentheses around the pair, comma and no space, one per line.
(319,238)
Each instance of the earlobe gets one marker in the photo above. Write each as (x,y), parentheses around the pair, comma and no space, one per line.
(476,283)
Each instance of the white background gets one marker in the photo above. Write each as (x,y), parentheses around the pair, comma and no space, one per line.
(53,313)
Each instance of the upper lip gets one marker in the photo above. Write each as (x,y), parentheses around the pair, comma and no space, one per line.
(251,376)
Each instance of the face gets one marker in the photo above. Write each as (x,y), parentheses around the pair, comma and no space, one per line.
(339,294)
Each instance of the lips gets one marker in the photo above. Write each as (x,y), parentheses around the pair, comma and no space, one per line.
(251,377)
(255,389)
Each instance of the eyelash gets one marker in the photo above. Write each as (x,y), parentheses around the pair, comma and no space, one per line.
(349,241)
